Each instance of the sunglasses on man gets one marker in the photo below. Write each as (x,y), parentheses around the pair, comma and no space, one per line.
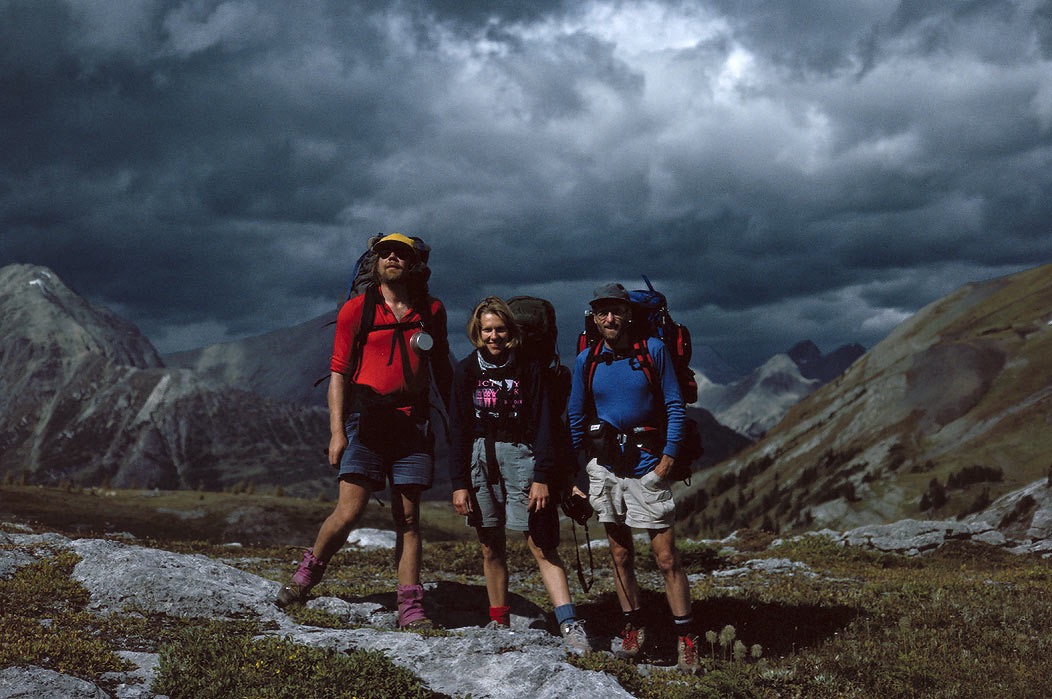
(402,252)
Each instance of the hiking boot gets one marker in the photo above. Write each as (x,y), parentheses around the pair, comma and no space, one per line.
(575,636)
(495,625)
(633,640)
(411,614)
(307,575)
(421,624)
(687,654)
(501,616)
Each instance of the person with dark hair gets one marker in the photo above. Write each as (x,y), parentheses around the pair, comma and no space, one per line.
(502,464)
(390,344)
(630,430)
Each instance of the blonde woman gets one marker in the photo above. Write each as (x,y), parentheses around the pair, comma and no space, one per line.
(502,462)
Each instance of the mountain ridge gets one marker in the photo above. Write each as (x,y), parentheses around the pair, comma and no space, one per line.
(753,404)
(945,407)
(85,398)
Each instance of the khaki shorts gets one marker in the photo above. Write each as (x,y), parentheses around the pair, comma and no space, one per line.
(642,503)
(502,504)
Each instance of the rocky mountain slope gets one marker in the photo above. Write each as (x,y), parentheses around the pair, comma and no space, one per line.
(85,398)
(952,410)
(719,441)
(284,364)
(753,404)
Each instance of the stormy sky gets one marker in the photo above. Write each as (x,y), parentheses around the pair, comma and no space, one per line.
(781,170)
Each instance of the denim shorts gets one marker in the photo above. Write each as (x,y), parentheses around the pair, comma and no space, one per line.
(498,505)
(389,446)
(643,503)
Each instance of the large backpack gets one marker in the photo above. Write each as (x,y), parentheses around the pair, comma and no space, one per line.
(540,343)
(540,335)
(651,318)
(362,277)
(362,282)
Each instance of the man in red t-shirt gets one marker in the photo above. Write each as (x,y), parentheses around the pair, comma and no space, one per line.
(378,415)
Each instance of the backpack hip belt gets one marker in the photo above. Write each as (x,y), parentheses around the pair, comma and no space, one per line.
(620,451)
(362,398)
(505,433)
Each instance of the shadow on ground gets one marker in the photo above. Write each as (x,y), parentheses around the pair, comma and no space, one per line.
(779,629)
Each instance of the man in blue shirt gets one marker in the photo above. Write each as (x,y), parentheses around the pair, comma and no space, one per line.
(626,413)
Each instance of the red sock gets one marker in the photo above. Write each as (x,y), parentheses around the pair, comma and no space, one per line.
(500,615)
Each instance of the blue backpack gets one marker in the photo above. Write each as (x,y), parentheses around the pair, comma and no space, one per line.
(650,318)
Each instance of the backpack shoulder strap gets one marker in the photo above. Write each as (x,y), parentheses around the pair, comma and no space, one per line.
(366,324)
(590,363)
(646,361)
(425,312)
(640,352)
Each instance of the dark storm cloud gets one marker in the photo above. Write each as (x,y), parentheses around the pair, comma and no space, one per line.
(210,169)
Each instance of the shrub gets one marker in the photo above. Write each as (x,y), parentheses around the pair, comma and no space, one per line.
(981,502)
(896,457)
(935,497)
(208,662)
(726,514)
(724,483)
(42,622)
(964,477)
(1022,509)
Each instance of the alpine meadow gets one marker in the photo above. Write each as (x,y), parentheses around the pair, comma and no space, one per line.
(887,538)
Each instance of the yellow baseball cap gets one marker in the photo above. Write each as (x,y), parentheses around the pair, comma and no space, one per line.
(398,238)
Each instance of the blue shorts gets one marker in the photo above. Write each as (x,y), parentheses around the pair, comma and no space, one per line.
(386,445)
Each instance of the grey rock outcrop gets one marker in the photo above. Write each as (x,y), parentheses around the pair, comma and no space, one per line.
(39,683)
(1019,522)
(525,661)
(912,537)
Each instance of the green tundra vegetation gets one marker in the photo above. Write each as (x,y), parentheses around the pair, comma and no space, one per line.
(963,621)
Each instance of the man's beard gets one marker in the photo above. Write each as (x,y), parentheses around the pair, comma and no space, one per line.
(612,334)
(392,274)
